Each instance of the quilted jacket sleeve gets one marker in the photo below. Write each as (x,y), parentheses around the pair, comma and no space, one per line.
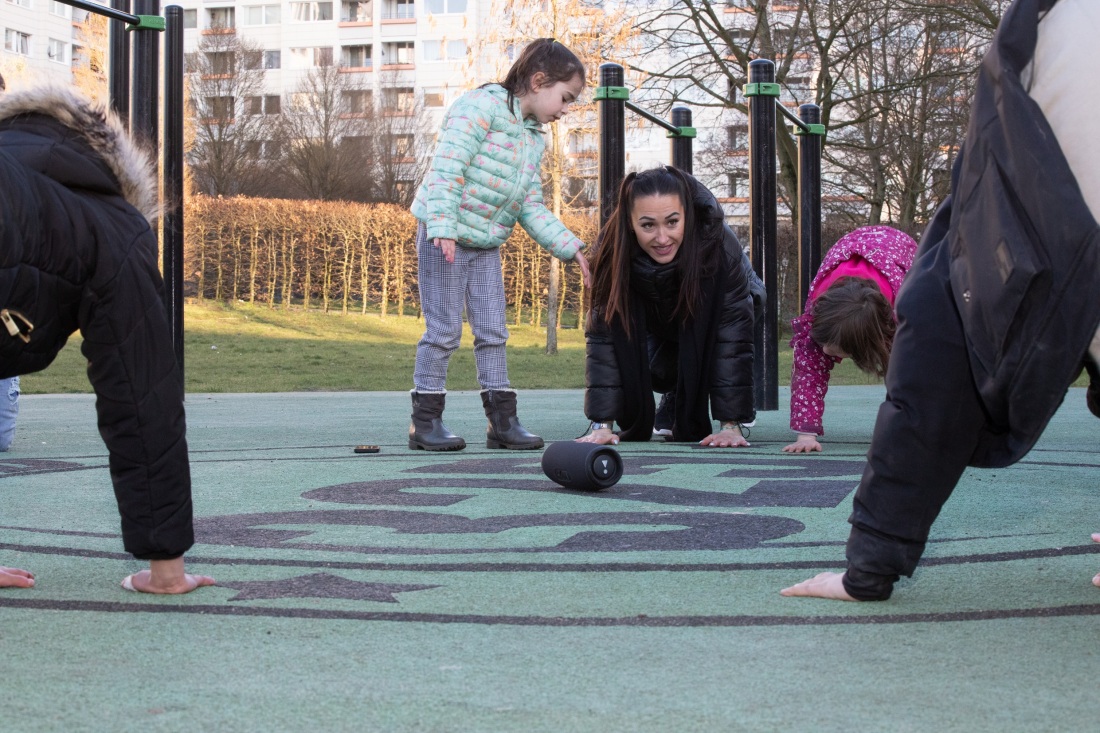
(731,392)
(810,370)
(464,130)
(545,228)
(603,398)
(139,392)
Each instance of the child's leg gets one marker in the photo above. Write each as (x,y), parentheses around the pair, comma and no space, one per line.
(485,307)
(9,409)
(442,289)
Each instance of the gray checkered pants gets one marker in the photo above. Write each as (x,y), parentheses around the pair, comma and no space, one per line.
(474,279)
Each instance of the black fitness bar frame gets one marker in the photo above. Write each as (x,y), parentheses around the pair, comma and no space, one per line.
(133,90)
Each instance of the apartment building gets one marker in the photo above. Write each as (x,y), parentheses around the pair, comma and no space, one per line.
(41,40)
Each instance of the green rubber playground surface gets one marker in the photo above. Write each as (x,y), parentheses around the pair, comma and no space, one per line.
(412,591)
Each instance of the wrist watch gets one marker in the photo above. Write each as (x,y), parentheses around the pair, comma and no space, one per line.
(600,425)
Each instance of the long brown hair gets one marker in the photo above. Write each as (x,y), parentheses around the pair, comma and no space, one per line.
(617,246)
(542,56)
(854,316)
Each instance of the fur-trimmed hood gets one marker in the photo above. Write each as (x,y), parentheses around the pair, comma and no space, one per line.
(100,129)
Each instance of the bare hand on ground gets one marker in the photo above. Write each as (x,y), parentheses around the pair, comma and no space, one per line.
(165,577)
(602,437)
(15,578)
(448,247)
(806,443)
(822,585)
(724,439)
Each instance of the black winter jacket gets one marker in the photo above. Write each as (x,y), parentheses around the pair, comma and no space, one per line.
(710,357)
(77,252)
(1025,250)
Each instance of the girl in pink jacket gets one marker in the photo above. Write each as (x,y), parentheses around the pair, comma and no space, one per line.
(849,314)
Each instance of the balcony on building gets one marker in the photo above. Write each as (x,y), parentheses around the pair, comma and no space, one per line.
(220,21)
(356,13)
(398,11)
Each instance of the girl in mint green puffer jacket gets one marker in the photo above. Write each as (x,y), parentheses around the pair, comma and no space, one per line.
(484,178)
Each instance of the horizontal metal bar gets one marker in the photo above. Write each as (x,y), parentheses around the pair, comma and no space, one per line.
(793,117)
(102,10)
(653,118)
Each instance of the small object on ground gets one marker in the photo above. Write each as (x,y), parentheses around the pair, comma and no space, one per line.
(582,466)
(367,449)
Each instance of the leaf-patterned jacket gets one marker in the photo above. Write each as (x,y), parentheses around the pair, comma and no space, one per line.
(485,177)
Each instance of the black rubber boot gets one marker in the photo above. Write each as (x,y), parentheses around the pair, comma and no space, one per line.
(427,431)
(504,430)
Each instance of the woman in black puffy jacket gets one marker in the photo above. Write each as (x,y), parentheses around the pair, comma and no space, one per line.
(77,252)
(672,312)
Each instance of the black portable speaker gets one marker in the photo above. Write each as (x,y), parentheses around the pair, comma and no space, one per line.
(582,466)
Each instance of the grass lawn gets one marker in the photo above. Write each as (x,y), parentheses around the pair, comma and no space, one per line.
(243,348)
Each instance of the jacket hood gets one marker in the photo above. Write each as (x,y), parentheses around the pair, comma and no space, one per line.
(100,129)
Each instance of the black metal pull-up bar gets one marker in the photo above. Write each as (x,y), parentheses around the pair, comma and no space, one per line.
(139,82)
(613,99)
(763,95)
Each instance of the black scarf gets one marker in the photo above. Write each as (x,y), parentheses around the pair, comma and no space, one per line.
(695,364)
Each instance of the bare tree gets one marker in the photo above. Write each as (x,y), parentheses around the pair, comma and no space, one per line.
(90,55)
(402,145)
(891,78)
(902,110)
(233,118)
(323,135)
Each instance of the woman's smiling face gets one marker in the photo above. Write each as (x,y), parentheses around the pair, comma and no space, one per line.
(658,223)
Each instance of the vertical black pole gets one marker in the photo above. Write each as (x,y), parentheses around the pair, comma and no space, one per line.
(681,144)
(612,121)
(173,177)
(118,65)
(809,200)
(144,122)
(762,226)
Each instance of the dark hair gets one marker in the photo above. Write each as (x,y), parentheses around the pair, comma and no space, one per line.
(617,245)
(542,56)
(854,316)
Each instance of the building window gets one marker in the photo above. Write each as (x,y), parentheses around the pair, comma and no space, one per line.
(398,53)
(357,11)
(737,137)
(220,108)
(311,12)
(190,18)
(221,63)
(399,10)
(434,98)
(305,58)
(58,51)
(403,189)
(439,7)
(222,18)
(65,11)
(582,142)
(264,149)
(20,3)
(262,15)
(443,50)
(17,42)
(270,104)
(356,57)
(401,145)
(738,182)
(273,59)
(400,100)
(358,101)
